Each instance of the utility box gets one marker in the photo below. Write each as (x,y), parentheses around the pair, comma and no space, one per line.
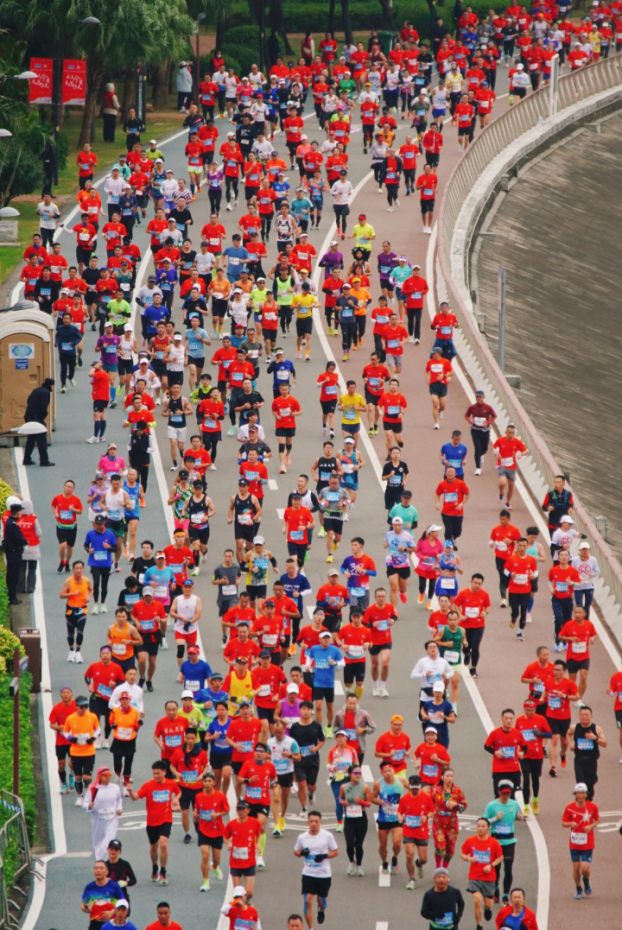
(31,641)
(26,359)
(387,40)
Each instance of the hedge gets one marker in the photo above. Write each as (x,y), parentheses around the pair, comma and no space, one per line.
(365,15)
(5,491)
(27,791)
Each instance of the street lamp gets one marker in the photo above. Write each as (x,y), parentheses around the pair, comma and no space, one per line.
(58,80)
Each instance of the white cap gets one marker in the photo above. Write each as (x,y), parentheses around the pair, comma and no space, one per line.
(566,519)
(128,328)
(396,520)
(438,686)
(152,142)
(12,499)
(580,786)
(325,633)
(584,545)
(519,67)
(258,541)
(292,688)
(434,528)
(334,242)
(187,694)
(239,892)
(430,730)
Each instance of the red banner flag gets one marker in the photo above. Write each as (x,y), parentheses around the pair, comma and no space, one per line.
(40,88)
(74,82)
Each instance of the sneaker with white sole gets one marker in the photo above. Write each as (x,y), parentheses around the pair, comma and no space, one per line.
(205,886)
(261,864)
(78,658)
(95,609)
(103,609)
(78,801)
(351,870)
(72,656)
(384,693)
(376,691)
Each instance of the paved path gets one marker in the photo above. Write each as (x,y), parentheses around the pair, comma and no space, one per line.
(277,890)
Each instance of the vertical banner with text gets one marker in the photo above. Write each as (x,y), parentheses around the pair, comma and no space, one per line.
(40,88)
(74,82)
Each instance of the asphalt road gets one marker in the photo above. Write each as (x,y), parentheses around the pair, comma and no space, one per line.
(277,888)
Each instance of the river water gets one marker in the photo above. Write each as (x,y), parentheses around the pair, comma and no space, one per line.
(558,234)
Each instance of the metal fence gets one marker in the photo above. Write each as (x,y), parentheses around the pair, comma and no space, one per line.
(503,133)
(14,856)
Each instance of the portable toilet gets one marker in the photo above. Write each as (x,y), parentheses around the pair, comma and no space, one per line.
(26,359)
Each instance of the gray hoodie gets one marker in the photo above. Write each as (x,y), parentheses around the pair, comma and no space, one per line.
(31,553)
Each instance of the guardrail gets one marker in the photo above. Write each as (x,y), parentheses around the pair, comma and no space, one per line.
(14,855)
(502,137)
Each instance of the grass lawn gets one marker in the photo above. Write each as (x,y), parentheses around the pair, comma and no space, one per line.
(158,125)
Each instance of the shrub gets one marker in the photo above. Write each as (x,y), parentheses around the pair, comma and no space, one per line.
(244,55)
(26,776)
(242,35)
(5,491)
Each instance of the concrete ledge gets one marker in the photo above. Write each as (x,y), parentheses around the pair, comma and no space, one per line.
(479,363)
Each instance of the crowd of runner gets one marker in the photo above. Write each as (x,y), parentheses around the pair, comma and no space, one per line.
(209,356)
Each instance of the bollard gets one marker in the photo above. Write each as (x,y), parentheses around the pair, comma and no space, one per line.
(601,525)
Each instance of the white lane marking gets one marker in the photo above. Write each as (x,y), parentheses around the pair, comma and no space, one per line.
(339,688)
(384,881)
(539,841)
(273,485)
(280,512)
(544,874)
(326,346)
(368,775)
(382,925)
(58,834)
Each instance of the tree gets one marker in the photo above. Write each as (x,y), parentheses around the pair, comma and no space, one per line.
(276,20)
(150,31)
(21,169)
(346,21)
(388,16)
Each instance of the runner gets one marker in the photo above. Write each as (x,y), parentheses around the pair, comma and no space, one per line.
(210,806)
(581,817)
(317,846)
(560,691)
(414,810)
(502,814)
(484,853)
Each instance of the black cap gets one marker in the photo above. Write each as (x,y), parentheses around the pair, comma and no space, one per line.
(115,844)
(264,654)
(414,781)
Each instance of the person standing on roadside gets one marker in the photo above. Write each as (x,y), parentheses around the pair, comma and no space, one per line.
(37,406)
